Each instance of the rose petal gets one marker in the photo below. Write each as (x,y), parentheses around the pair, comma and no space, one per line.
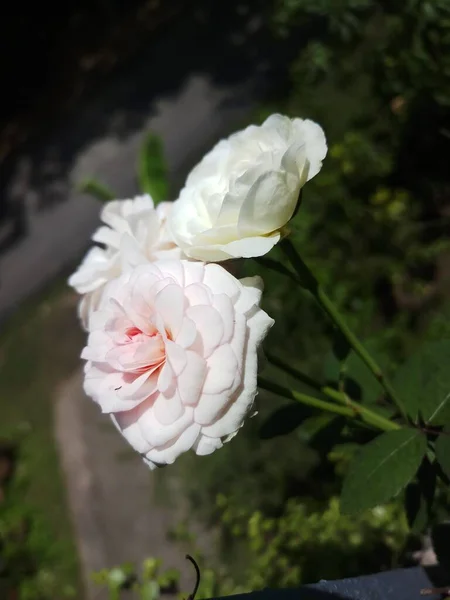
(159,435)
(198,293)
(210,407)
(170,304)
(222,369)
(224,306)
(167,409)
(169,453)
(209,326)
(187,334)
(218,280)
(191,381)
(176,356)
(206,445)
(251,292)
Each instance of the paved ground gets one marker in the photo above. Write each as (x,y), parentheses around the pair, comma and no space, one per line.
(111,495)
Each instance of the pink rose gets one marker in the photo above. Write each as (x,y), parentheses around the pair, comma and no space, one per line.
(172,356)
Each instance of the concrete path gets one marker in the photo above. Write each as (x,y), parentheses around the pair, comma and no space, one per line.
(110,492)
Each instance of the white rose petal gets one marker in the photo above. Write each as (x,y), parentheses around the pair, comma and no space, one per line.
(135,233)
(172,356)
(246,189)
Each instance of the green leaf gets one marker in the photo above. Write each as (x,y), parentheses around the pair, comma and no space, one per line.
(382,469)
(423,383)
(95,188)
(284,420)
(152,169)
(443,450)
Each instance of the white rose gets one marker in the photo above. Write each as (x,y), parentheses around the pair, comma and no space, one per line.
(135,233)
(172,356)
(246,189)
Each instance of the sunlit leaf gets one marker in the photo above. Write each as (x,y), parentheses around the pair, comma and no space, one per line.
(152,169)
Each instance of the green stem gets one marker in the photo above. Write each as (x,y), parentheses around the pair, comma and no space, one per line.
(270,263)
(369,415)
(303,398)
(327,305)
(348,409)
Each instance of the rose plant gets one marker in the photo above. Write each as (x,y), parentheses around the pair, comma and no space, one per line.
(173,344)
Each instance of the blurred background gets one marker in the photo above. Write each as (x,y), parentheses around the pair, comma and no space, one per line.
(84,85)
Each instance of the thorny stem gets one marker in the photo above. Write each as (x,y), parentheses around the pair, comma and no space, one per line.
(311,283)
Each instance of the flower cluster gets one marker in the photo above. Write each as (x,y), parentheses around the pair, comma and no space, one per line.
(173,337)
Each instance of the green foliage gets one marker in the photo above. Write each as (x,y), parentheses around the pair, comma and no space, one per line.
(309,541)
(148,584)
(252,473)
(371,223)
(424,383)
(414,59)
(382,469)
(404,42)
(152,171)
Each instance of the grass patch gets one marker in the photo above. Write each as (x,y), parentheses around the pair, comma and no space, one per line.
(39,348)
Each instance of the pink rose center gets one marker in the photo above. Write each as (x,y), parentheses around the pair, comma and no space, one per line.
(139,352)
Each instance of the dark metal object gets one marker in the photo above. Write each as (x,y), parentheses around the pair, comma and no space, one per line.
(401,584)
